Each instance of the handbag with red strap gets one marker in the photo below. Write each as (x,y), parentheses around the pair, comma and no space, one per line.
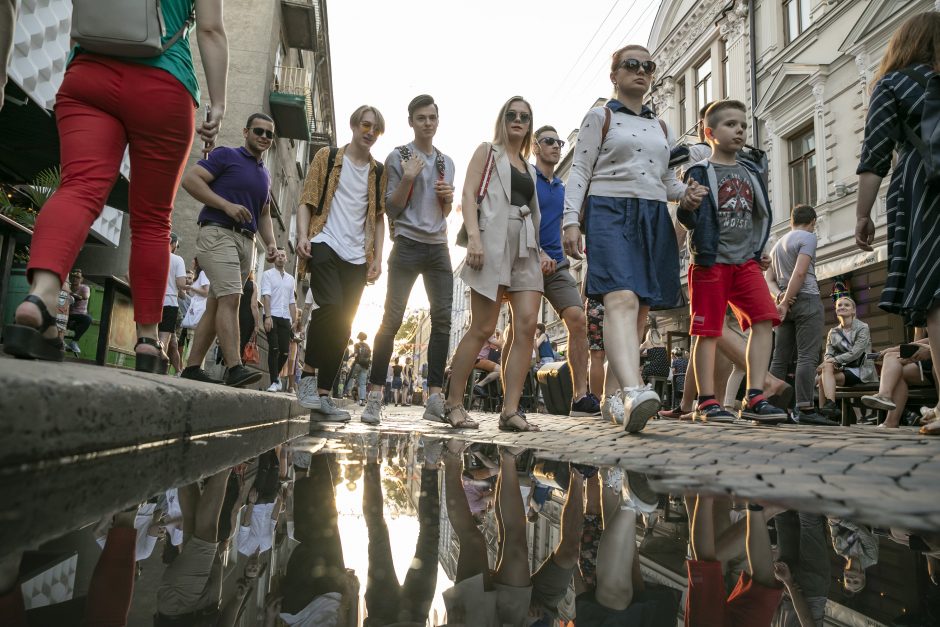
(251,355)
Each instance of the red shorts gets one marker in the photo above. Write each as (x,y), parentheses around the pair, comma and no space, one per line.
(749,605)
(713,288)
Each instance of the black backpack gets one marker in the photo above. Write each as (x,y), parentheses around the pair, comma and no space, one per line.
(928,143)
(364,355)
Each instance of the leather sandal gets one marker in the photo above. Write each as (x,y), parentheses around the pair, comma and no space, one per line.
(145,362)
(26,342)
(506,423)
(458,418)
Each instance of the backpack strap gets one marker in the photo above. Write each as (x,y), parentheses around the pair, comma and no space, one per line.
(379,169)
(330,162)
(183,29)
(405,153)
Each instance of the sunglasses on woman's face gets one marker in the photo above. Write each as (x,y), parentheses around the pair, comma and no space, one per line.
(512,116)
(632,65)
(262,132)
(551,141)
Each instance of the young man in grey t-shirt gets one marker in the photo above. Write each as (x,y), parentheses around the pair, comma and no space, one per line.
(419,199)
(792,280)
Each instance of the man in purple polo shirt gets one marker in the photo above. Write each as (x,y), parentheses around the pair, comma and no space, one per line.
(234,186)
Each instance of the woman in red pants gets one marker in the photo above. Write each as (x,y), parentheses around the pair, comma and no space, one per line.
(105,105)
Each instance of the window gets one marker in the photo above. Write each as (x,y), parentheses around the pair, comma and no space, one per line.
(682,117)
(704,91)
(796,18)
(803,167)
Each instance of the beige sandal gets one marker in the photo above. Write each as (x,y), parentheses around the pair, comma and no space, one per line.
(458,418)
(512,422)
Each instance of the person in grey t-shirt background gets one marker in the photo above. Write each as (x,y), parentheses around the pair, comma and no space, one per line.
(792,280)
(419,199)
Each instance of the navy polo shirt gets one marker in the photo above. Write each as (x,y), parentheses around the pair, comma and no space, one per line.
(551,207)
(239,178)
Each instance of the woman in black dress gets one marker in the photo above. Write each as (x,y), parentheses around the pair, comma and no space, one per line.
(249,317)
(897,107)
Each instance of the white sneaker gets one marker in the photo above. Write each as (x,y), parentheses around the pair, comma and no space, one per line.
(276,386)
(372,414)
(328,411)
(434,410)
(636,493)
(307,393)
(612,409)
(639,405)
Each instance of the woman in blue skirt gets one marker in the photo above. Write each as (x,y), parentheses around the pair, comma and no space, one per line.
(624,174)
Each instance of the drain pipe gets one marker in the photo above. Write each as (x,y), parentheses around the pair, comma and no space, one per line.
(752,52)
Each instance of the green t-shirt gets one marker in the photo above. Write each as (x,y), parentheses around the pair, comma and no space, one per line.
(178,59)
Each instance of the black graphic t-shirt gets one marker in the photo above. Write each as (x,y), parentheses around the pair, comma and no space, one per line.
(735,214)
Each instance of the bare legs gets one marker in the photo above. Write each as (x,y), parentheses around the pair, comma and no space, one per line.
(622,315)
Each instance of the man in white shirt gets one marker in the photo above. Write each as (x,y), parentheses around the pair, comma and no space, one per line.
(280,315)
(175,281)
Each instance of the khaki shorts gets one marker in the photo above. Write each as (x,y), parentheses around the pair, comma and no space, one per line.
(561,290)
(193,581)
(226,257)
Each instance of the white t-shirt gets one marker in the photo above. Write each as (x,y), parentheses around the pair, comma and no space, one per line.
(259,534)
(280,287)
(197,305)
(345,231)
(323,611)
(177,269)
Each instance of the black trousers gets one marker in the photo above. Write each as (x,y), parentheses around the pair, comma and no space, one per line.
(316,567)
(409,259)
(278,346)
(79,323)
(388,602)
(337,287)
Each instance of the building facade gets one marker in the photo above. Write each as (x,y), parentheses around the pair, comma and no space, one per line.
(804,68)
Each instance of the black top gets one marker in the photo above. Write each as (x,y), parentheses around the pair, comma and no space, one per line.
(396,371)
(244,306)
(522,187)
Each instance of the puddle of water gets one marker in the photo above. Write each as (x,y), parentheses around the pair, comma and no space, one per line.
(398,530)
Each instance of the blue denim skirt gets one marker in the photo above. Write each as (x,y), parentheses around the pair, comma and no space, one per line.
(631,245)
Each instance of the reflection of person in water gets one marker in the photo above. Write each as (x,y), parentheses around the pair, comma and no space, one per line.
(192,583)
(619,596)
(802,546)
(316,590)
(387,601)
(757,594)
(858,546)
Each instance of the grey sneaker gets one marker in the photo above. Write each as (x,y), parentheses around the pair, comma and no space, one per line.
(639,405)
(612,409)
(372,414)
(328,411)
(434,410)
(307,393)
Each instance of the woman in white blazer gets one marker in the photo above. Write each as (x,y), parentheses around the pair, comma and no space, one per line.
(502,261)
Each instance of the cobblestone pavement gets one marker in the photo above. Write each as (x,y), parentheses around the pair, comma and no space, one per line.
(883,478)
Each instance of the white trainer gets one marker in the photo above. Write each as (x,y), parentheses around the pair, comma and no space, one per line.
(372,414)
(307,393)
(329,412)
(276,386)
(434,409)
(612,409)
(639,405)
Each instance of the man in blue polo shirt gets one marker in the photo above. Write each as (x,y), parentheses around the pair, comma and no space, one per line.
(561,289)
(234,186)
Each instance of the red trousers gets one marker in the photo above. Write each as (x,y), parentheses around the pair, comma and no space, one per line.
(103,107)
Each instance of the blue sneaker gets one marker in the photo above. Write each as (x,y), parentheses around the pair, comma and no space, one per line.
(761,411)
(712,411)
(587,405)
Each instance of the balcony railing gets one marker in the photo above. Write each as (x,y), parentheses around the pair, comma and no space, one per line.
(292,102)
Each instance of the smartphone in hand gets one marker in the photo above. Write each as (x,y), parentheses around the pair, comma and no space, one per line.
(208,118)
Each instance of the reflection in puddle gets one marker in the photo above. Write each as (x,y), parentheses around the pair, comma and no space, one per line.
(383,530)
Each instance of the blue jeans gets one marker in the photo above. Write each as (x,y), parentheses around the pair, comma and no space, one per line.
(407,260)
(362,377)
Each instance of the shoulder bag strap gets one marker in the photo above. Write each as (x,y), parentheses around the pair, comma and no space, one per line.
(330,162)
(487,176)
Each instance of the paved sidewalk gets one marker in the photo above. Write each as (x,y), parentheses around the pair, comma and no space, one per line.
(883,478)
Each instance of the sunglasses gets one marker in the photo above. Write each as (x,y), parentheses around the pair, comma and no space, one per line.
(551,141)
(633,65)
(370,127)
(512,116)
(262,132)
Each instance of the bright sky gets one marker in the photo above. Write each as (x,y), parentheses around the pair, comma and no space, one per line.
(472,57)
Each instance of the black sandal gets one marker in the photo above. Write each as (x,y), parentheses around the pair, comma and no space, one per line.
(144,362)
(26,342)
